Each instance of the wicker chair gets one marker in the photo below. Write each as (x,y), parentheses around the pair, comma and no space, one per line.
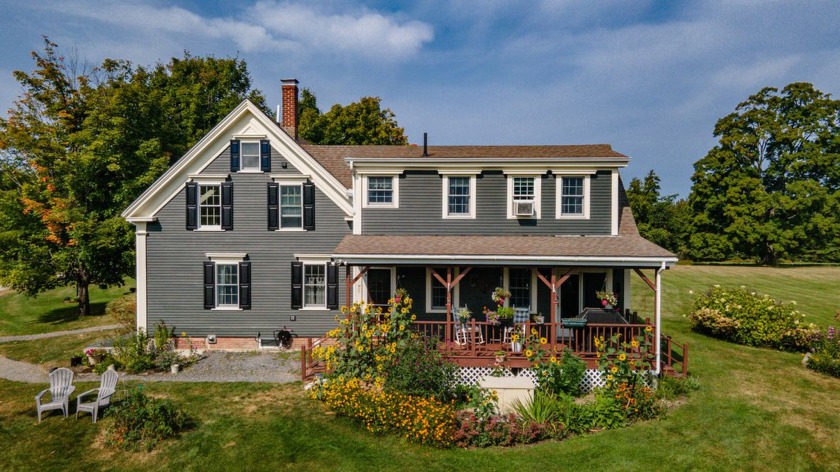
(107,387)
(61,386)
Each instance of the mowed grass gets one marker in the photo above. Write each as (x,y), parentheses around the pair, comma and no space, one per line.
(757,410)
(49,311)
(53,352)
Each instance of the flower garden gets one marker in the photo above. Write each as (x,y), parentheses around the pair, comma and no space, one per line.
(392,380)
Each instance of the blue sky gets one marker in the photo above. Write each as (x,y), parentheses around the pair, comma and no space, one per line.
(650,78)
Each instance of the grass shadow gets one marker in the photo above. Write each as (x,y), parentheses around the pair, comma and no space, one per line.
(70,312)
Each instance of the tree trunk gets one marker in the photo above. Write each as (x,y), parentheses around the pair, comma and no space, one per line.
(82,285)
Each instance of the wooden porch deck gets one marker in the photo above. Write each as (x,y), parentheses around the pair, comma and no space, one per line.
(479,349)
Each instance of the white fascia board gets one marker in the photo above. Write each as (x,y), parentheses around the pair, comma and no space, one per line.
(246,116)
(425,259)
(491,163)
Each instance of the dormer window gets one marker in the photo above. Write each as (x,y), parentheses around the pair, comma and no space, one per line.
(573,196)
(459,196)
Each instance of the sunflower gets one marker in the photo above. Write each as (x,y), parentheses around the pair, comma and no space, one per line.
(649,328)
(529,353)
(622,357)
(614,369)
(634,343)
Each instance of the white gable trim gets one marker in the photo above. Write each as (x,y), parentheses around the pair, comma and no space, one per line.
(245,119)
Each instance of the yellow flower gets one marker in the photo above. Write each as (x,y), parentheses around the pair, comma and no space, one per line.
(402,327)
(413,317)
(649,328)
(552,359)
(634,343)
(614,369)
(534,331)
(543,340)
(529,353)
(609,377)
(622,357)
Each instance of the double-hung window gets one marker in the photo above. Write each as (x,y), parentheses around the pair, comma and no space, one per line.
(314,286)
(291,206)
(210,206)
(573,196)
(227,282)
(519,285)
(524,195)
(250,156)
(458,196)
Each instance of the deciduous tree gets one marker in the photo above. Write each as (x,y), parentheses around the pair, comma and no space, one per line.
(664,220)
(770,189)
(362,122)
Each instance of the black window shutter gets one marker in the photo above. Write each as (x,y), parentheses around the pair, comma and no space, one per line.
(265,155)
(234,155)
(309,206)
(273,206)
(297,284)
(332,286)
(192,205)
(245,285)
(227,206)
(209,285)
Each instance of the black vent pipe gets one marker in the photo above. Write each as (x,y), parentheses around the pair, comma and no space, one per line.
(425,144)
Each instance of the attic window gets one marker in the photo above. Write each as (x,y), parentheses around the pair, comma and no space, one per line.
(251,155)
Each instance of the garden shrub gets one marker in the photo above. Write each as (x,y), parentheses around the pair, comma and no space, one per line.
(421,370)
(498,430)
(669,388)
(134,353)
(141,422)
(825,357)
(744,317)
(419,419)
(124,310)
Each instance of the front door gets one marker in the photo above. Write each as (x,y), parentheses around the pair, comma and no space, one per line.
(570,297)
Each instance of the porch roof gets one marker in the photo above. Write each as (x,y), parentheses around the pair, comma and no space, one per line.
(622,250)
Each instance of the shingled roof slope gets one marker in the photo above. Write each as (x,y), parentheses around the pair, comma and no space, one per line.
(333,157)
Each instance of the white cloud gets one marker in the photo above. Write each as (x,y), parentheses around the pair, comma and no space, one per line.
(365,33)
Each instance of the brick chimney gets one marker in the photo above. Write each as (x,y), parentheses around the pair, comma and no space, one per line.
(290,105)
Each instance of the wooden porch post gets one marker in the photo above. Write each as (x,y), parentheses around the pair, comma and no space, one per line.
(657,310)
(352,281)
(553,285)
(448,285)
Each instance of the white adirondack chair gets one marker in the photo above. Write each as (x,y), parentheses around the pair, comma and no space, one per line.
(107,387)
(61,386)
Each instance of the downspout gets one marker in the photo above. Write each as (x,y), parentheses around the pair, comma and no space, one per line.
(657,308)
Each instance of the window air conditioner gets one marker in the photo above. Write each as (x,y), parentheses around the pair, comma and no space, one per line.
(523,208)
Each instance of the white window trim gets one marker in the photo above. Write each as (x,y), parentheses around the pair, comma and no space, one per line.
(280,207)
(445,202)
(312,260)
(226,258)
(395,190)
(537,196)
(289,180)
(533,288)
(559,198)
(250,170)
(199,226)
(456,292)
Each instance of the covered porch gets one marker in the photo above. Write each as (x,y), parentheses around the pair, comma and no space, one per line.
(552,279)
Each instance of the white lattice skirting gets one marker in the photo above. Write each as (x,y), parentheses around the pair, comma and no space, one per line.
(471,375)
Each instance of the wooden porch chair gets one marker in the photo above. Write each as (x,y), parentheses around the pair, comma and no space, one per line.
(465,334)
(107,387)
(61,386)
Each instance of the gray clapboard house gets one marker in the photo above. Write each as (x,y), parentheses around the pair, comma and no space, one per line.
(254,229)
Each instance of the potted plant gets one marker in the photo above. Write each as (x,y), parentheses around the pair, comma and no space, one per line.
(516,338)
(94,355)
(608,299)
(505,315)
(464,314)
(539,318)
(500,356)
(492,317)
(399,294)
(499,295)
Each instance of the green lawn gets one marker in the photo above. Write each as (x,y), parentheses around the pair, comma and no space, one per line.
(757,410)
(53,352)
(49,312)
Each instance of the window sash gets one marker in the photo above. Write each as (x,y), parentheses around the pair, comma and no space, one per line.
(315,285)
(250,155)
(572,199)
(380,190)
(210,205)
(523,188)
(227,285)
(291,206)
(459,195)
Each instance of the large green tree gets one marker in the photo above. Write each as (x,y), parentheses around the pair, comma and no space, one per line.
(362,122)
(770,188)
(663,219)
(78,147)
